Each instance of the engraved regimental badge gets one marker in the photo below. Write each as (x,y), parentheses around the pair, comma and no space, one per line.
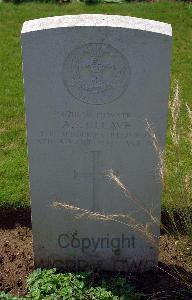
(96,73)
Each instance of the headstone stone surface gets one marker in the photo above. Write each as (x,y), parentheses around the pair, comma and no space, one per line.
(90,82)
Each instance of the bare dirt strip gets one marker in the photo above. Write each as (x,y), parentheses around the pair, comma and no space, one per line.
(169,281)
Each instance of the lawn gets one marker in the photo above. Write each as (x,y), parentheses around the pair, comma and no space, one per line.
(14,187)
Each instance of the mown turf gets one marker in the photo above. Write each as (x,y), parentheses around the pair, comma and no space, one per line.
(14,188)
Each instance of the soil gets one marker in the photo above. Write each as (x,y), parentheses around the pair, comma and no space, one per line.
(169,281)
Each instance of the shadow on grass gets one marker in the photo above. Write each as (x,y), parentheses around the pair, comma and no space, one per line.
(166,282)
(10,217)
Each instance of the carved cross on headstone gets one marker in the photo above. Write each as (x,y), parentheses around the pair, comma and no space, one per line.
(94,175)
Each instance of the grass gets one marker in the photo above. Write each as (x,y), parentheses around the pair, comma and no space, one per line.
(14,187)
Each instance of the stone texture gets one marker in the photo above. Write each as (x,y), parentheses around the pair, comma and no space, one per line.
(97,20)
(90,82)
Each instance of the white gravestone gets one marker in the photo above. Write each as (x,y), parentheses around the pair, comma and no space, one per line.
(90,82)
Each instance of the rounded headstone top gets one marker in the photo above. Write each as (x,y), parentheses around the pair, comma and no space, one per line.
(98,20)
